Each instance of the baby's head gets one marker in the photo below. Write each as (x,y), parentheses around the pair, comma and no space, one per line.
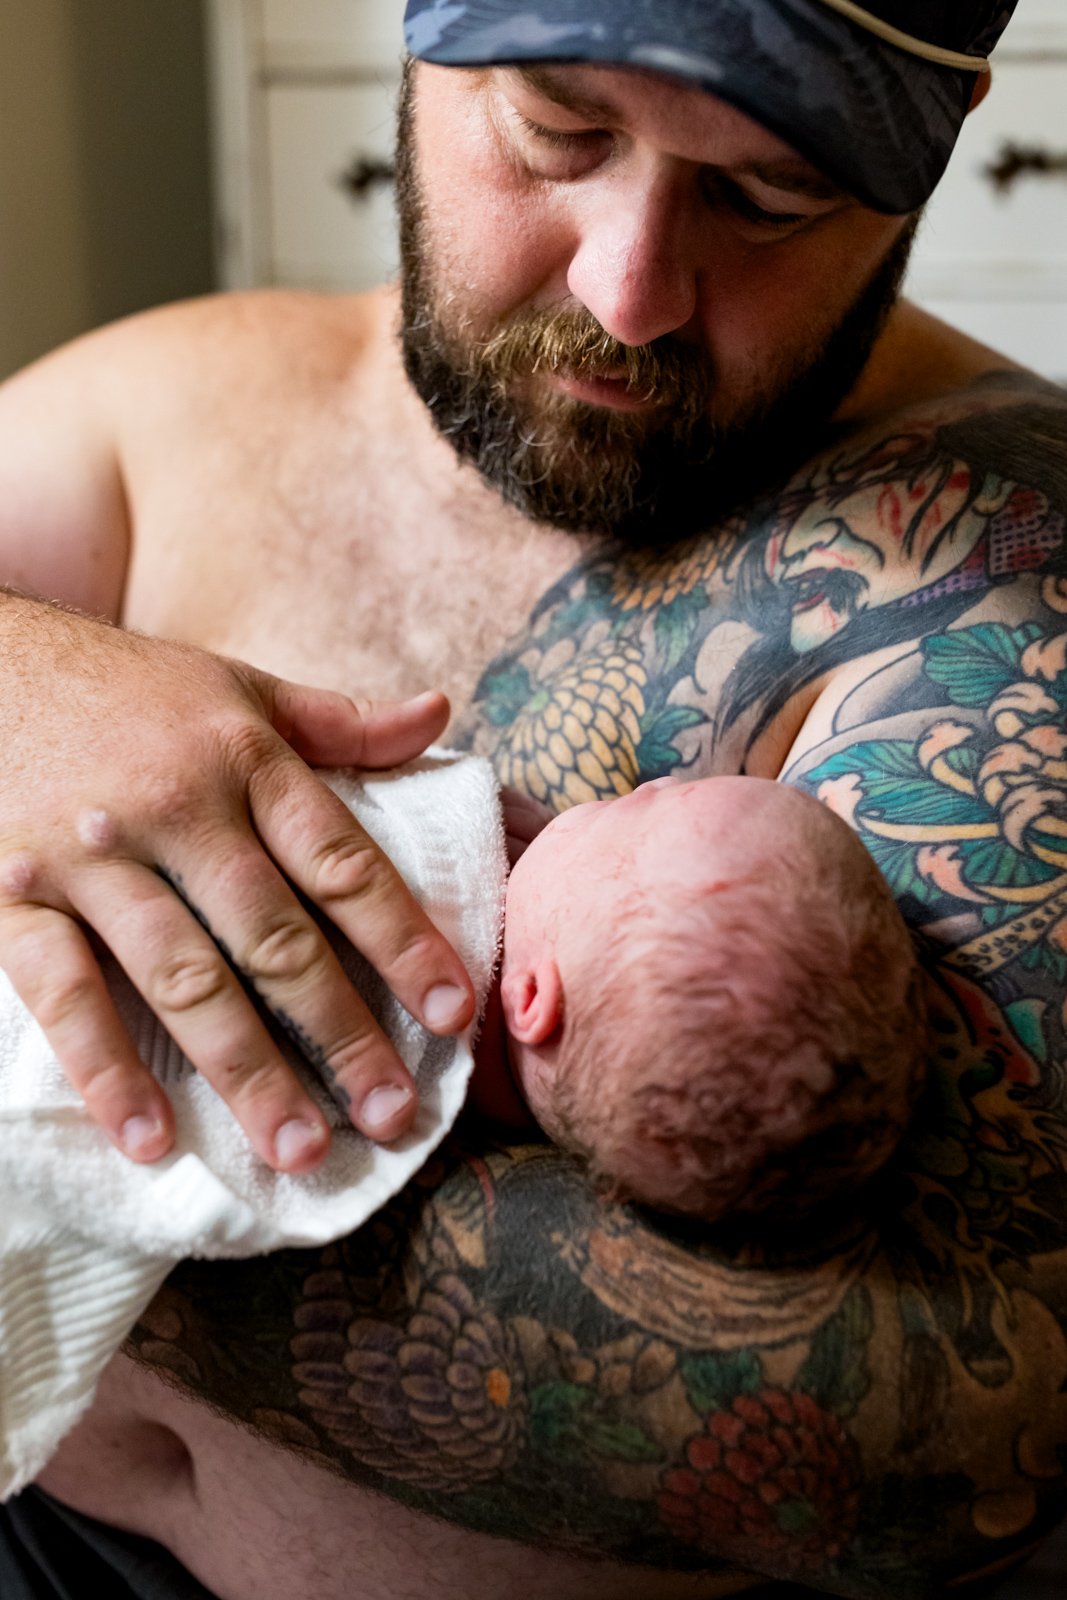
(709,992)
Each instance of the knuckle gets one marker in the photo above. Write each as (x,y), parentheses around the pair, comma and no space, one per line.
(258,1084)
(103,1085)
(169,799)
(20,876)
(418,948)
(356,1054)
(65,999)
(97,832)
(348,868)
(286,952)
(188,980)
(245,744)
(362,705)
(238,1075)
(38,953)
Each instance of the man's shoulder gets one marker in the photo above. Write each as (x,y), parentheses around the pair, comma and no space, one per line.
(997,406)
(923,367)
(902,527)
(301,336)
(925,478)
(246,346)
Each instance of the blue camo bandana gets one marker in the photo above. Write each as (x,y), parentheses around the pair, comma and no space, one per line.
(874,94)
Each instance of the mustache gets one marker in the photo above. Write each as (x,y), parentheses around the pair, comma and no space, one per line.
(573,343)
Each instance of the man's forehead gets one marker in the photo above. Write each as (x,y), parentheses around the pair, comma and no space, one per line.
(618,96)
(873,93)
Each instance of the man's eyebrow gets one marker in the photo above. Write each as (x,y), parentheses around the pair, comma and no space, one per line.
(545,82)
(795,176)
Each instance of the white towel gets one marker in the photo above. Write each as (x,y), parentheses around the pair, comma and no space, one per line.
(87,1237)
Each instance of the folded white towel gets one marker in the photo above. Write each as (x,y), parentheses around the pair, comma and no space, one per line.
(87,1237)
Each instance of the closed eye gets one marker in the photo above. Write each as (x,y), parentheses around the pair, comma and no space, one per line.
(556,137)
(746,207)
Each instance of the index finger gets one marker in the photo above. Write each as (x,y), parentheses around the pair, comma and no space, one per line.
(319,844)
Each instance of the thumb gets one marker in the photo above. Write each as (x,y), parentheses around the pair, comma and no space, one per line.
(327,729)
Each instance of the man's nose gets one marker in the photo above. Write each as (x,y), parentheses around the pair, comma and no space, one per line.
(634,267)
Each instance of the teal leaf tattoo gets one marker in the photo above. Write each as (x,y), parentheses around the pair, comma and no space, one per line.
(676,626)
(506,693)
(713,1382)
(1045,958)
(573,618)
(896,862)
(1025,1018)
(897,789)
(657,751)
(995,862)
(564,1419)
(836,1373)
(621,1441)
(977,664)
(965,760)
(556,1410)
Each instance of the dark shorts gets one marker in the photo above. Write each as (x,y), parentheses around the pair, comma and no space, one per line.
(48,1552)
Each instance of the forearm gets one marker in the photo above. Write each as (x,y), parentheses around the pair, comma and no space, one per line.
(501,1349)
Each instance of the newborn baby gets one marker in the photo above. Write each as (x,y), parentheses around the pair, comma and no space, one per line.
(707,990)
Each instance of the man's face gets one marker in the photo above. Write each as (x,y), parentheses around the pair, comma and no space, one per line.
(626,302)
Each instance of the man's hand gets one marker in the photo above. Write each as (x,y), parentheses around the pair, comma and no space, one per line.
(159,796)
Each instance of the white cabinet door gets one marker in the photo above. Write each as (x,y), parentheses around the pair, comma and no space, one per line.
(321,235)
(303,89)
(981,239)
(992,258)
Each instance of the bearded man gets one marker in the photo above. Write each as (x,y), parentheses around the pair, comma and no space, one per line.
(649,314)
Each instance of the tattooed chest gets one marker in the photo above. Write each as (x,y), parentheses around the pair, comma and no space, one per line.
(621,675)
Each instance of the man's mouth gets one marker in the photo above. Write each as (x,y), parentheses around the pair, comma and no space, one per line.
(611,389)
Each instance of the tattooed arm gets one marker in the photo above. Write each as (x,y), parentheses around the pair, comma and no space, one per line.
(874,1408)
(951,765)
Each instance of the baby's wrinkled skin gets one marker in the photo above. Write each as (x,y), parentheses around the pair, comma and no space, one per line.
(708,991)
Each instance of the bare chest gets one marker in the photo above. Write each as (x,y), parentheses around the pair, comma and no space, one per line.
(580,671)
(338,566)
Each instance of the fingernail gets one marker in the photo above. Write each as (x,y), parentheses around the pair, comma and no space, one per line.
(295,1140)
(141,1135)
(444,1006)
(381,1106)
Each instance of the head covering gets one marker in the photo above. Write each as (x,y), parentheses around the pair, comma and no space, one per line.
(873,93)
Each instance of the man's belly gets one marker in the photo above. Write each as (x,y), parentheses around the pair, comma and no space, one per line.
(253,1522)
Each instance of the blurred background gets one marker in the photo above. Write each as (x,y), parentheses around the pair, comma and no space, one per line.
(105,164)
(154,149)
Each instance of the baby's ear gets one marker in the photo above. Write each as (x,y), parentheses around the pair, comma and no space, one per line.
(532,998)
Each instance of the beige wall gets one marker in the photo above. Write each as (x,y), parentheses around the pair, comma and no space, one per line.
(104,165)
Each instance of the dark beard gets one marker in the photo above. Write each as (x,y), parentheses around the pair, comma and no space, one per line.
(646,478)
